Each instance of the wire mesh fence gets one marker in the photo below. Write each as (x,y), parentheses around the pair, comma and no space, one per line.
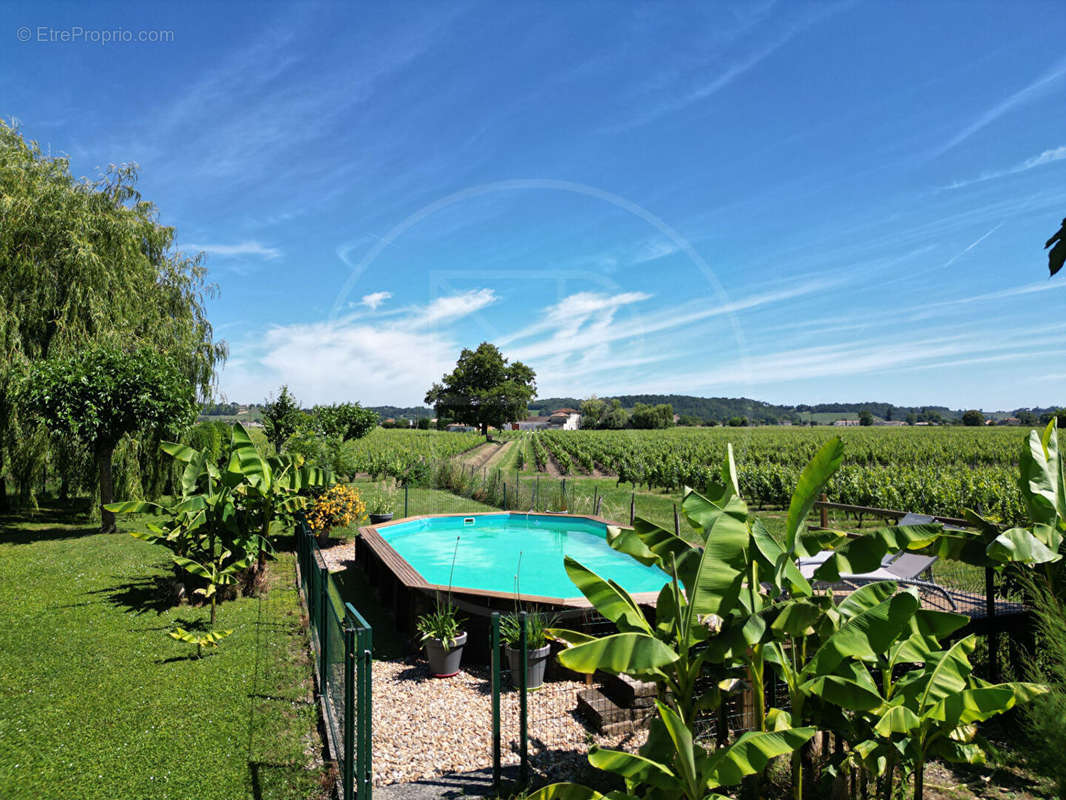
(342,645)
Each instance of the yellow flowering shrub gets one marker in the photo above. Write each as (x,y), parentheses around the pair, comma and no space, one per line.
(338,507)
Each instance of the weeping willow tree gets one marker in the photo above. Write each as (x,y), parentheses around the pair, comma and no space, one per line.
(86,262)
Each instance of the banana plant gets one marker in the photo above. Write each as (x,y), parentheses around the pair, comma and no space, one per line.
(221,523)
(934,711)
(214,573)
(685,769)
(704,584)
(201,640)
(1042,481)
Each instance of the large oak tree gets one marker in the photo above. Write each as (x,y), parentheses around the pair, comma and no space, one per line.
(484,389)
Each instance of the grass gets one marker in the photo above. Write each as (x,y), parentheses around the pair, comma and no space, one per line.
(98,702)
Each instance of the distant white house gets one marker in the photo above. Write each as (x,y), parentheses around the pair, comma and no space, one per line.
(566,419)
(563,419)
(846,423)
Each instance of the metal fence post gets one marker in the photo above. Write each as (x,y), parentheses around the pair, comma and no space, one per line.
(323,621)
(523,722)
(405,514)
(349,711)
(505,497)
(632,507)
(993,634)
(366,716)
(496,747)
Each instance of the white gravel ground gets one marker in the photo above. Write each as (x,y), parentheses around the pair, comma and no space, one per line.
(425,726)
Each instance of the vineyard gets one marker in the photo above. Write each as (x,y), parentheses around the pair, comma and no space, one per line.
(395,453)
(931,470)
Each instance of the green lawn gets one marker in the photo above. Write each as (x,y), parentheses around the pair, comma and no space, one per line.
(97,702)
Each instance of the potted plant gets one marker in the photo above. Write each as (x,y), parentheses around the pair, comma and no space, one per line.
(338,506)
(380,507)
(443,639)
(537,647)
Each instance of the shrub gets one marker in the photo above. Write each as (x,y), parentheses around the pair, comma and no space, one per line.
(337,507)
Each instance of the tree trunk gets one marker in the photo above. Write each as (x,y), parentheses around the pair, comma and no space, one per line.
(107,489)
(485,431)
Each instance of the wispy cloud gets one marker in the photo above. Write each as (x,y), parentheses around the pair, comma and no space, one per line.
(574,332)
(333,360)
(1047,157)
(1026,94)
(249,248)
(723,75)
(451,308)
(375,299)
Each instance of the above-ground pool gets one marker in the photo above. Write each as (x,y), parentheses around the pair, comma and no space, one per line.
(500,555)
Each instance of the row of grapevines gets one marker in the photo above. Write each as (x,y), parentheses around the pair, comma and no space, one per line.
(392,452)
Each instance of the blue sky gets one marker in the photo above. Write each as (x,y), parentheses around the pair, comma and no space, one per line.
(797,203)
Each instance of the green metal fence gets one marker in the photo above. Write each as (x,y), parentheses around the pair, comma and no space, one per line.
(521,682)
(342,643)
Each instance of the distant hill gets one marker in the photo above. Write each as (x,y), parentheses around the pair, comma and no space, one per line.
(717,409)
(720,409)
(410,412)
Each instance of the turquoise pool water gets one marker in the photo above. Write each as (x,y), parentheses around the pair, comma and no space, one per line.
(495,548)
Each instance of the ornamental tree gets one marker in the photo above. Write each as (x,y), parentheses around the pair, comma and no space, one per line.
(344,420)
(104,393)
(282,417)
(484,389)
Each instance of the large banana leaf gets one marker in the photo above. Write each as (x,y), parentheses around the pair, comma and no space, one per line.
(134,507)
(723,564)
(1021,546)
(750,754)
(684,747)
(633,767)
(781,563)
(1041,479)
(610,599)
(637,654)
(811,482)
(179,452)
(972,705)
(843,693)
(897,719)
(245,460)
(927,629)
(866,635)
(651,545)
(946,673)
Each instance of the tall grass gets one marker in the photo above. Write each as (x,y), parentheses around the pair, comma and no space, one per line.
(1045,717)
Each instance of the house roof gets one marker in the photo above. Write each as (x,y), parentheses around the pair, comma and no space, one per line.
(535,419)
(565,411)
